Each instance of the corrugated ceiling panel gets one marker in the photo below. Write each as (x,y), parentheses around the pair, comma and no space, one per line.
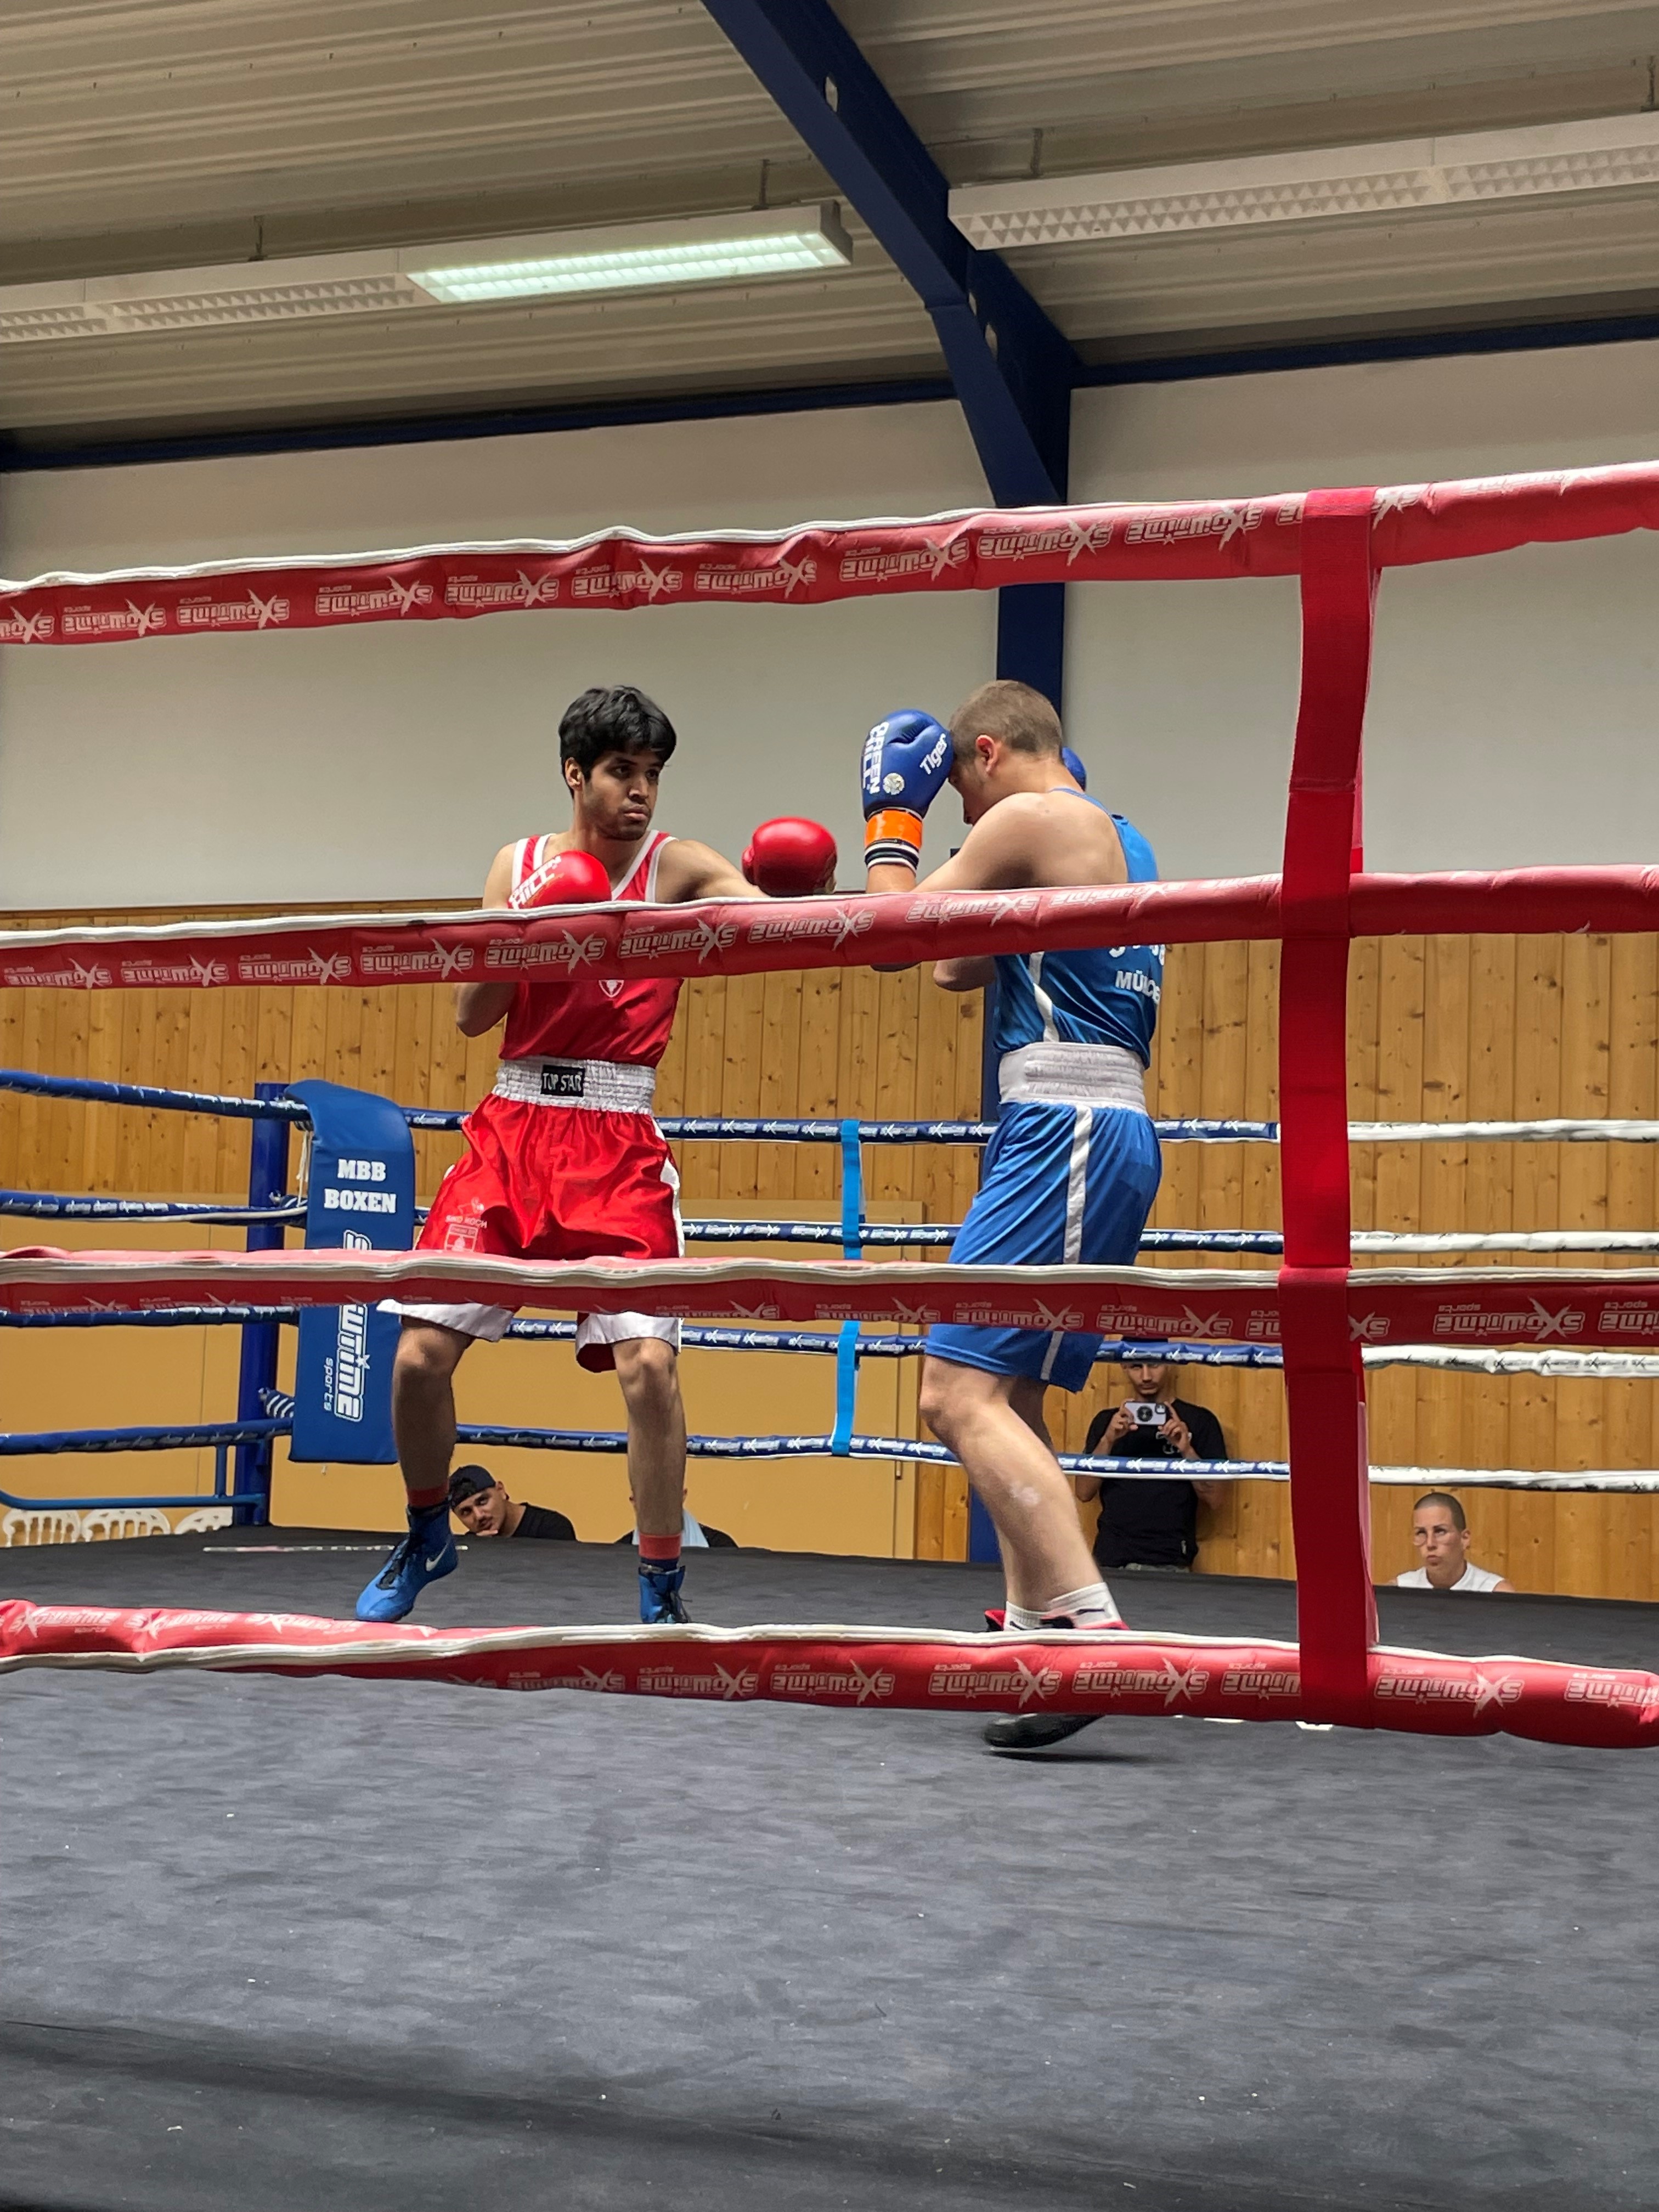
(152,133)
(189,109)
(1336,270)
(865,324)
(932,46)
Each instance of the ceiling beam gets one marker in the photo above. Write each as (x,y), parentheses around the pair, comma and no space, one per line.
(1012,370)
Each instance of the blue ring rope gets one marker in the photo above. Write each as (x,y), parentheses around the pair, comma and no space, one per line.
(787,1130)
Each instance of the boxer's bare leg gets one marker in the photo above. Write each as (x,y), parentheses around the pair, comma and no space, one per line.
(993,1424)
(424,1407)
(648,1369)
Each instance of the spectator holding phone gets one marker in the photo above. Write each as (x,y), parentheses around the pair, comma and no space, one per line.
(1151,1523)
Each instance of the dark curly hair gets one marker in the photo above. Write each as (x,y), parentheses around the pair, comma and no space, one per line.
(613,718)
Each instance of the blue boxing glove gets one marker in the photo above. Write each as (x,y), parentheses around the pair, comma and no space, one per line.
(1074,767)
(907,763)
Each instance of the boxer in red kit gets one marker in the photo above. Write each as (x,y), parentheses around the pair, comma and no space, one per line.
(563,1160)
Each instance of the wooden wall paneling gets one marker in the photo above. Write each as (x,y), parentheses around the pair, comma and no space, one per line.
(63,1123)
(136,1058)
(239,1071)
(1583,1522)
(778,1084)
(1443,1168)
(1260,1511)
(410,1080)
(1535,1172)
(378,1065)
(204,1058)
(1181,1081)
(1633,1093)
(892,1172)
(12,1006)
(816,1167)
(1392,1395)
(273,1048)
(859,1050)
(167,1134)
(100,1160)
(743,1045)
(1484,1401)
(703,1012)
(342,1037)
(933,1178)
(968,1064)
(929,1538)
(953,1543)
(308,1035)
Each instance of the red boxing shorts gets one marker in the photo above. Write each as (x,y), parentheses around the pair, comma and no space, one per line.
(552,1170)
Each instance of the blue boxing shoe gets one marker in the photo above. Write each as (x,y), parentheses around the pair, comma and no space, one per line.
(659,1594)
(426,1555)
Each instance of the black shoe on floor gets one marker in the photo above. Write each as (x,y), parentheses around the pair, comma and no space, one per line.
(1035,1731)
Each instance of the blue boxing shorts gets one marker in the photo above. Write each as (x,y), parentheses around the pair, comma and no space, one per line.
(1060,1184)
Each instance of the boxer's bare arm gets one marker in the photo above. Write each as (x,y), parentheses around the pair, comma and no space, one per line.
(479,1006)
(688,870)
(1032,839)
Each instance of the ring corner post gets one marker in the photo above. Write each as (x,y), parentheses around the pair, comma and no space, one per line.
(1324,1377)
(267,1186)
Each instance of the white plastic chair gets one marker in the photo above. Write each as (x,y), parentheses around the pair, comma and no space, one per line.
(113,1522)
(197,1522)
(40,1524)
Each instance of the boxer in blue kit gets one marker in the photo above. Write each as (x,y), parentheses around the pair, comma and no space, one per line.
(1073,1167)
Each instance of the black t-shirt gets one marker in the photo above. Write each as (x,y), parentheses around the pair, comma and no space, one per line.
(541,1521)
(1152,1524)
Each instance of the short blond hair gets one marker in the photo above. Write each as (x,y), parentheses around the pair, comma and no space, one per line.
(1025,720)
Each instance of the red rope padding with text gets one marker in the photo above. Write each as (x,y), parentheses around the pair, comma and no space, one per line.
(746,937)
(1433,1305)
(976,550)
(1420,1693)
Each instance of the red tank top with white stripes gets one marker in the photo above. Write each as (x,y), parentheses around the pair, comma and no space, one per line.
(627,1022)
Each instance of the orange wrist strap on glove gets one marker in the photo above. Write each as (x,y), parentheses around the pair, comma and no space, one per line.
(893,836)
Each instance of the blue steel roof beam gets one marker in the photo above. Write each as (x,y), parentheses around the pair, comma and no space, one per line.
(1012,370)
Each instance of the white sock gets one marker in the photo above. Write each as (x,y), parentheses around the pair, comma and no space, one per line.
(1020,1620)
(1091,1607)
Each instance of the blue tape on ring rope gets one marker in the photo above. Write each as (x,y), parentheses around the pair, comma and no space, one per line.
(852,1245)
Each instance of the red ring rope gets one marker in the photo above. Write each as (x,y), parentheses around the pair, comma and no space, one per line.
(745,937)
(1384,1305)
(975,550)
(1420,1693)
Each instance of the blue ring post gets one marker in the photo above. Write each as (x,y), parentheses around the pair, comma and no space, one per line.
(852,1246)
(267,1183)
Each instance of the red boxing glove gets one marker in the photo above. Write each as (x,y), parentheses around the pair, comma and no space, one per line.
(567,879)
(791,858)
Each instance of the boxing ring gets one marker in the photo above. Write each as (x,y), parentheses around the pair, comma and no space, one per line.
(270,1916)
(1317,1310)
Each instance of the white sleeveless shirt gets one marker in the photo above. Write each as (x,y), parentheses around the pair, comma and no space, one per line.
(1472,1579)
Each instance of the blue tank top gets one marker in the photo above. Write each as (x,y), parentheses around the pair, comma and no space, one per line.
(1107,994)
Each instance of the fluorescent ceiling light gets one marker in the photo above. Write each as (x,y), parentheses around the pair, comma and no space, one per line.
(715,249)
(542,264)
(1472,169)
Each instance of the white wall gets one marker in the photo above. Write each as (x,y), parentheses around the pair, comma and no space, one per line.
(1511,710)
(1514,704)
(390,763)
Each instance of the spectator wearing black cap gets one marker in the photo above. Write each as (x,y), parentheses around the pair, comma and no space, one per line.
(482,1507)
